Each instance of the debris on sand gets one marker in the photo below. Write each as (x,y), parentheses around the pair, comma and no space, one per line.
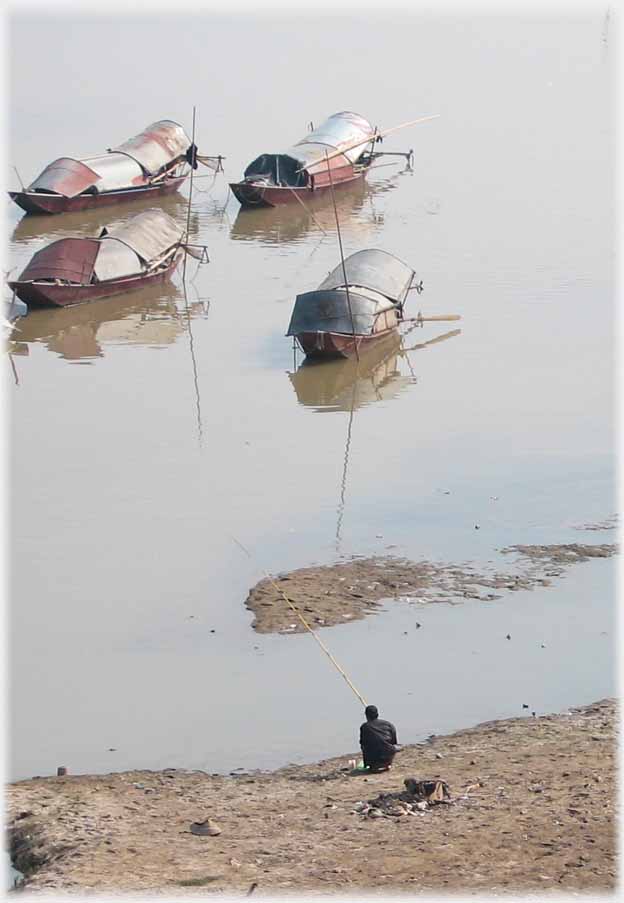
(352,589)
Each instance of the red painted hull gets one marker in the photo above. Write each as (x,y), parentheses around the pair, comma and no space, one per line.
(250,195)
(38,202)
(43,294)
(328,345)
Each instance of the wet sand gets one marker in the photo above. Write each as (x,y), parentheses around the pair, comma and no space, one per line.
(532,809)
(351,590)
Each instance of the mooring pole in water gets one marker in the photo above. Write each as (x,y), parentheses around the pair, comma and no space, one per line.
(344,269)
(303,621)
(188,212)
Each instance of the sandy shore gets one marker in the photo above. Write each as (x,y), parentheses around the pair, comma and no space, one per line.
(533,808)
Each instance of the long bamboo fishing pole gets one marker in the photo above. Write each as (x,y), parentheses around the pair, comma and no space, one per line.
(344,269)
(188,212)
(377,135)
(303,621)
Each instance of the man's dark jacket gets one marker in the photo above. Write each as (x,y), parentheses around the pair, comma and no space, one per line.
(378,740)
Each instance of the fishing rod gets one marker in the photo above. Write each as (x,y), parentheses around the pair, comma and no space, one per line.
(344,269)
(303,621)
(377,136)
(188,211)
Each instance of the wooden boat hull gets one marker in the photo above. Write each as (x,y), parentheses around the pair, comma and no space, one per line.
(48,294)
(40,203)
(331,345)
(249,194)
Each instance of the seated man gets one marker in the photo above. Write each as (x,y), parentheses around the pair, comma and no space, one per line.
(378,740)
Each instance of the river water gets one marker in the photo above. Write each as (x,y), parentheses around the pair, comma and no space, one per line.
(140,443)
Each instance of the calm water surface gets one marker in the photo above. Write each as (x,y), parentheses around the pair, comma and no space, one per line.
(141,443)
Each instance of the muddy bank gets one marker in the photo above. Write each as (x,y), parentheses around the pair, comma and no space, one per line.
(532,807)
(351,590)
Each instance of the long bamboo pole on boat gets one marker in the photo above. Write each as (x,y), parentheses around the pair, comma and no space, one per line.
(188,211)
(376,137)
(344,269)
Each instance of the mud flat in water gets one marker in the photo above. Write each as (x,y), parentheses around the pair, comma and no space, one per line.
(350,590)
(533,808)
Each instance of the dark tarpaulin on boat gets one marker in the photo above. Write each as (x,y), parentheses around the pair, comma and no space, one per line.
(69,259)
(278,169)
(65,176)
(374,269)
(328,311)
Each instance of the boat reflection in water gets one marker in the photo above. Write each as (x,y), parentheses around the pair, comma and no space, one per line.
(154,316)
(293,223)
(35,230)
(340,385)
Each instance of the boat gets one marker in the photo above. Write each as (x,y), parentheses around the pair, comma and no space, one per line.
(153,163)
(141,251)
(357,305)
(339,152)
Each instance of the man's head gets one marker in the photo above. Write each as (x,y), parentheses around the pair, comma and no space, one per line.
(371,712)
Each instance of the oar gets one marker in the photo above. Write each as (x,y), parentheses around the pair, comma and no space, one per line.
(435,317)
(373,137)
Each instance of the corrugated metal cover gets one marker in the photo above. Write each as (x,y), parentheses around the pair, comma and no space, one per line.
(70,259)
(374,269)
(158,144)
(116,171)
(337,131)
(116,260)
(324,311)
(65,176)
(149,233)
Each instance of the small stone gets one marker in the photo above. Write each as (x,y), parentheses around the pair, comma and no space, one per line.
(477,527)
(206,828)
(439,756)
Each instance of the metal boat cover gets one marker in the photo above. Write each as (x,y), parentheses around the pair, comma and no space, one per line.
(374,269)
(328,311)
(156,146)
(150,233)
(116,260)
(65,176)
(115,171)
(339,130)
(69,259)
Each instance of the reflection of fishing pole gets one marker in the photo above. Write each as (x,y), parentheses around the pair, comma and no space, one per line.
(194,363)
(343,484)
(302,619)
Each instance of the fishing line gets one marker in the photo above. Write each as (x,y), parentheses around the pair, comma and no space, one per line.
(344,270)
(303,621)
